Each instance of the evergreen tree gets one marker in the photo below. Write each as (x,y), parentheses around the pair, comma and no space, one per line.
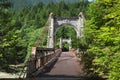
(4,31)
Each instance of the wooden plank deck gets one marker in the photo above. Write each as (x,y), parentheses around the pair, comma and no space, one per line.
(67,66)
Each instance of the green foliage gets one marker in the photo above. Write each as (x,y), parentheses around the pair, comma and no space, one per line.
(102,35)
(6,37)
(115,67)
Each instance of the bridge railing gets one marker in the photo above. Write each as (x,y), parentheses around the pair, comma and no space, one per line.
(40,58)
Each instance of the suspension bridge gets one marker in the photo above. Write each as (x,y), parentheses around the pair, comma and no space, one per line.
(53,64)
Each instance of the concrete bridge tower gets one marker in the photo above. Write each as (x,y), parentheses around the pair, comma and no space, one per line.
(54,23)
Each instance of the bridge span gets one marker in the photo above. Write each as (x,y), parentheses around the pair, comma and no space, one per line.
(49,63)
(67,66)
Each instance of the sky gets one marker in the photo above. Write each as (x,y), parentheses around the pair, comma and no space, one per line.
(90,0)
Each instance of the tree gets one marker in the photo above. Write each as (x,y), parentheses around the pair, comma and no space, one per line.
(103,34)
(4,30)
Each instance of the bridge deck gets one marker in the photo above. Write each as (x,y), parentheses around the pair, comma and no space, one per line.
(66,66)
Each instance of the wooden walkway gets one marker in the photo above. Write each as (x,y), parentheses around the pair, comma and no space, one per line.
(67,66)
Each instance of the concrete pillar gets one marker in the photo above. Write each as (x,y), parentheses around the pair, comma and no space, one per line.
(51,37)
(70,46)
(60,45)
(81,24)
(80,27)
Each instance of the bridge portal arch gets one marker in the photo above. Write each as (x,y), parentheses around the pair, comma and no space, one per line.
(66,25)
(54,23)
